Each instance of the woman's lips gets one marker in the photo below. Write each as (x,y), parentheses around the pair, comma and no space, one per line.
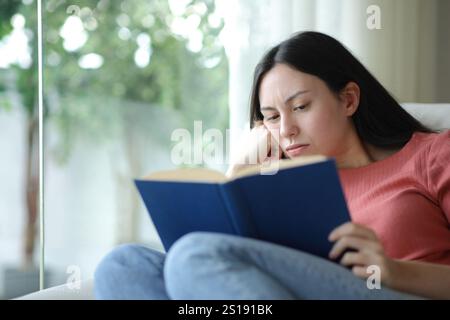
(295,151)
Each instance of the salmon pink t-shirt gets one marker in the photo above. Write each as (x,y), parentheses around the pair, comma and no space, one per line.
(405,198)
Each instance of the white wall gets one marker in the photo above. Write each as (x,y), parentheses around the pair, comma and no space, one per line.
(443,54)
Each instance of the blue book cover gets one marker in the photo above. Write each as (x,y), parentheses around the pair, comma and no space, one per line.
(295,203)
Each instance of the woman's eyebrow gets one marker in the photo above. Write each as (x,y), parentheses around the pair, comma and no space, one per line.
(295,95)
(268,108)
(292,97)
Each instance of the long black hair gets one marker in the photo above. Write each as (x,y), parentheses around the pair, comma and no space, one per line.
(379,119)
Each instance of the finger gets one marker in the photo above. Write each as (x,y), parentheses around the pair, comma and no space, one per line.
(275,140)
(275,152)
(257,123)
(357,243)
(352,229)
(355,258)
(263,145)
(255,149)
(360,272)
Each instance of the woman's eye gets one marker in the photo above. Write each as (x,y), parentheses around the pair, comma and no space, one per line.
(271,118)
(300,107)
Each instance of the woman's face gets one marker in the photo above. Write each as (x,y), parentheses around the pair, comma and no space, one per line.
(302,110)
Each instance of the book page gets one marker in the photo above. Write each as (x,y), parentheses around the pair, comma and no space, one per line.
(274,166)
(213,176)
(188,175)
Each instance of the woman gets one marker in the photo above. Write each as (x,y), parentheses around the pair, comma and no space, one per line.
(314,96)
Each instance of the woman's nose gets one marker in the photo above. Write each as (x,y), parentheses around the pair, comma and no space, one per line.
(288,128)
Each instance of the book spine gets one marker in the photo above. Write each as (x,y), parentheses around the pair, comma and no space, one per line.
(238,210)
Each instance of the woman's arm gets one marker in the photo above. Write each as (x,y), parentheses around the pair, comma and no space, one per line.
(423,279)
(429,279)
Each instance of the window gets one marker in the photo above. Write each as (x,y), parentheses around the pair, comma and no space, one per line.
(119,77)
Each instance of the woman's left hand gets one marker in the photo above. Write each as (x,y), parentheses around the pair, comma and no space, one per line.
(369,251)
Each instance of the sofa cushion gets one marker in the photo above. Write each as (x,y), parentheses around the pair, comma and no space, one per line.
(434,115)
(63,292)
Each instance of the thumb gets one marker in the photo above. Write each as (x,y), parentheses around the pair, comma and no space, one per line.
(275,153)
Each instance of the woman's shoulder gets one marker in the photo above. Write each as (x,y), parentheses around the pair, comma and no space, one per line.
(433,143)
(437,168)
(424,151)
(440,148)
(432,136)
(434,151)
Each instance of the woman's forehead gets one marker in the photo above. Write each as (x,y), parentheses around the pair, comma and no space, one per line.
(282,82)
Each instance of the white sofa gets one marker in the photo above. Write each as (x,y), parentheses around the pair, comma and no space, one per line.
(78,291)
(433,115)
(436,116)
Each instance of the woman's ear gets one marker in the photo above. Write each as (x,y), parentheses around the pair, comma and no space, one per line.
(350,98)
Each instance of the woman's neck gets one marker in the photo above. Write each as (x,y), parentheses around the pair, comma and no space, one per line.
(378,154)
(354,155)
(363,155)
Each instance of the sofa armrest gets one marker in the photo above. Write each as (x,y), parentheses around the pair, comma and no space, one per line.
(63,292)
(434,115)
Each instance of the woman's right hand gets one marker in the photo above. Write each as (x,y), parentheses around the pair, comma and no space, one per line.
(255,149)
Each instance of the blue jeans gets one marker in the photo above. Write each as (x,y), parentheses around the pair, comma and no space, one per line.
(213,266)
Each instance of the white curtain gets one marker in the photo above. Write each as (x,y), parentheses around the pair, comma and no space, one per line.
(401,54)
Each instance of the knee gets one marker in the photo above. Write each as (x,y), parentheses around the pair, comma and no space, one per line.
(193,249)
(192,244)
(121,257)
(188,261)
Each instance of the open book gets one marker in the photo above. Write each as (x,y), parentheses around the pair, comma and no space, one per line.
(293,202)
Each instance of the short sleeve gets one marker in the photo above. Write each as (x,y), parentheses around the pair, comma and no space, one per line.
(439,171)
